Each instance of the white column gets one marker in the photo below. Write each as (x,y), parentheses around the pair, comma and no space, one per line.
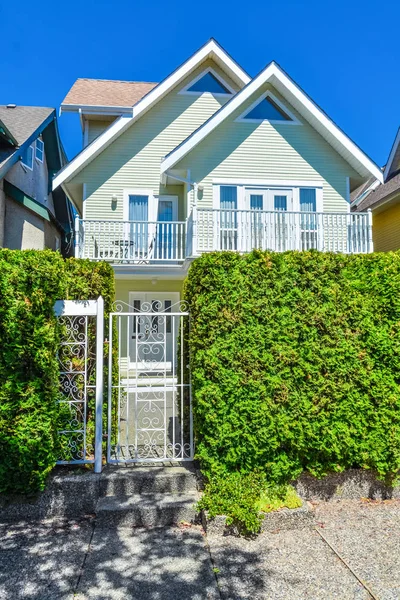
(370,239)
(77,240)
(98,451)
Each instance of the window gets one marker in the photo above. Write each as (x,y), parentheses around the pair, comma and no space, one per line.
(208,82)
(27,158)
(308,200)
(280,202)
(267,108)
(39,150)
(256,202)
(228,204)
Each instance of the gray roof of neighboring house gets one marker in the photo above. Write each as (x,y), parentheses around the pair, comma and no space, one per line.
(380,194)
(22,122)
(361,188)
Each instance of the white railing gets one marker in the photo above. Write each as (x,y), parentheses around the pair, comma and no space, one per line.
(144,242)
(245,230)
(130,241)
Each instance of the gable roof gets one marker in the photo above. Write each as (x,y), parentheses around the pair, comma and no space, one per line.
(105,92)
(210,50)
(24,123)
(301,102)
(393,163)
(381,194)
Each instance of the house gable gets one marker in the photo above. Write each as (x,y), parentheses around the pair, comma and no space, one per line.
(133,159)
(211,50)
(245,153)
(310,112)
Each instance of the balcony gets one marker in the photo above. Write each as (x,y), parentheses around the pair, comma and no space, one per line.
(206,230)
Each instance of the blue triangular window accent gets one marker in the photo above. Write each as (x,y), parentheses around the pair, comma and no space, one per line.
(267,110)
(208,83)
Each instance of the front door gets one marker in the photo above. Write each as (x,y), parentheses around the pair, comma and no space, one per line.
(154,334)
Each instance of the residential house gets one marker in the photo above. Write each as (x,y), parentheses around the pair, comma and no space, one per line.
(207,159)
(32,215)
(383,199)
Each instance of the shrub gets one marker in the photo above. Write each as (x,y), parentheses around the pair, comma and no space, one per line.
(30,283)
(237,496)
(241,497)
(295,362)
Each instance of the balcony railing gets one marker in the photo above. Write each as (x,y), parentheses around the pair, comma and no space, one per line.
(131,241)
(205,230)
(245,230)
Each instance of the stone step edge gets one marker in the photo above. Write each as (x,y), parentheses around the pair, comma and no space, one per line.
(145,501)
(279,520)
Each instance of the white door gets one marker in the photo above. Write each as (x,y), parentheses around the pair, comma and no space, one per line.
(166,228)
(153,333)
(268,224)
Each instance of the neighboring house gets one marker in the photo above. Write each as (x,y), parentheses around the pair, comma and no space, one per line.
(208,159)
(32,216)
(383,199)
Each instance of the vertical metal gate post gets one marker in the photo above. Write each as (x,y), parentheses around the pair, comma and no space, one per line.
(98,449)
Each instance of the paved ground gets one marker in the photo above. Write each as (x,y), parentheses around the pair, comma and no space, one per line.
(359,558)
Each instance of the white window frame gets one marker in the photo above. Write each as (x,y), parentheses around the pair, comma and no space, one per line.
(152,205)
(42,150)
(268,94)
(184,91)
(30,167)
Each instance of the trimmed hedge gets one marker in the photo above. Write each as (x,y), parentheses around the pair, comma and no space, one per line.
(295,362)
(30,283)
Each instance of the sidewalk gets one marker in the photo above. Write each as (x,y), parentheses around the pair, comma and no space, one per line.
(80,561)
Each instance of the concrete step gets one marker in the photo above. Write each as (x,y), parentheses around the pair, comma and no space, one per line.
(146,510)
(123,481)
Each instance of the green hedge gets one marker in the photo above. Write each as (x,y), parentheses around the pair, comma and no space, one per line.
(30,283)
(295,362)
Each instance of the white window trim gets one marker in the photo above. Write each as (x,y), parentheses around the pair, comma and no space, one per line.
(294,187)
(36,156)
(152,206)
(268,94)
(185,91)
(33,155)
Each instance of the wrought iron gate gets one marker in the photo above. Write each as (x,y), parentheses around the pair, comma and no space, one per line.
(149,390)
(81,381)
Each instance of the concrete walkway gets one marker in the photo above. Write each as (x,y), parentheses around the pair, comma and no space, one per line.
(357,557)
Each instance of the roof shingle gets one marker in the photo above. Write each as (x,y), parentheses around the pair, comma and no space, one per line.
(105,92)
(21,121)
(378,196)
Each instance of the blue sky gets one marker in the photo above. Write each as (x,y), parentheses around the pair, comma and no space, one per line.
(344,54)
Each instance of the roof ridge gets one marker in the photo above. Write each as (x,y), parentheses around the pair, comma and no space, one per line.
(114,80)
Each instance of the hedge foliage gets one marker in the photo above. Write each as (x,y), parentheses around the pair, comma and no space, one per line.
(295,362)
(30,283)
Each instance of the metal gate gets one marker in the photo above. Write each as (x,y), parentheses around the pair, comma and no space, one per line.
(80,358)
(149,390)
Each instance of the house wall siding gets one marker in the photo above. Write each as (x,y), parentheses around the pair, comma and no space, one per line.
(133,160)
(95,128)
(34,183)
(386,229)
(264,151)
(23,229)
(124,286)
